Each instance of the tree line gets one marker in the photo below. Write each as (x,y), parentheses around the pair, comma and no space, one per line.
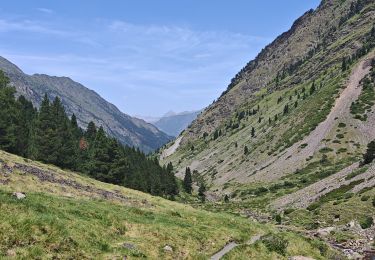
(50,136)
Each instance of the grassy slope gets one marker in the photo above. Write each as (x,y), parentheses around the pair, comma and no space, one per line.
(66,215)
(59,220)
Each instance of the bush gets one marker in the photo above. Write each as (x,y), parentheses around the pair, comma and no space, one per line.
(275,243)
(366,222)
(313,206)
(288,211)
(365,198)
(278,218)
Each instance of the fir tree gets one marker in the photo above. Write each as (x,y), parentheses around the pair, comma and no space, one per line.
(245,150)
(313,88)
(286,109)
(369,156)
(201,192)
(344,65)
(91,131)
(43,133)
(188,181)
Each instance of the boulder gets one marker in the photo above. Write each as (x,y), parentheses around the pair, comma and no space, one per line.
(19,195)
(129,246)
(168,248)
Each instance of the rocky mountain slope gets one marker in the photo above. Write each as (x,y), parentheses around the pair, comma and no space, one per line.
(288,136)
(174,124)
(87,106)
(279,98)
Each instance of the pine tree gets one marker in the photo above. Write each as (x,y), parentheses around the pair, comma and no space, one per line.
(90,133)
(252,132)
(9,116)
(188,181)
(76,131)
(369,156)
(100,155)
(43,133)
(27,116)
(245,150)
(344,65)
(286,109)
(201,192)
(4,80)
(313,88)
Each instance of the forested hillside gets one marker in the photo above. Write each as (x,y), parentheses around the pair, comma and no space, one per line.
(87,106)
(50,136)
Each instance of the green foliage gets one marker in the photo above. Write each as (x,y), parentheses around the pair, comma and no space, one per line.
(340,193)
(369,156)
(275,243)
(356,173)
(201,192)
(286,109)
(366,222)
(278,219)
(188,182)
(313,88)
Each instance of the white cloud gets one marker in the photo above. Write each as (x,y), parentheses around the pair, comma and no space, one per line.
(45,10)
(29,26)
(186,66)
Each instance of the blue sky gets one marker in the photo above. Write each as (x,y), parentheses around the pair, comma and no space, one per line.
(146,57)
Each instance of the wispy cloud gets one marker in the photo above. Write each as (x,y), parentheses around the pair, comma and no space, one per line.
(178,67)
(44,10)
(29,26)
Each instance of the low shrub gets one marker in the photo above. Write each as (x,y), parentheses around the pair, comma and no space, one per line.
(275,243)
(366,222)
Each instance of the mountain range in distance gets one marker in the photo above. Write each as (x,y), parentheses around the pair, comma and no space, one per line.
(173,123)
(87,105)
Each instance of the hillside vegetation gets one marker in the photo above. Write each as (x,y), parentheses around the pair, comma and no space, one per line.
(66,215)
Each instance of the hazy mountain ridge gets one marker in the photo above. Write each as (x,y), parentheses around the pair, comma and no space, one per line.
(87,105)
(173,123)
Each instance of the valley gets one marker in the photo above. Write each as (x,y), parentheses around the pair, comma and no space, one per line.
(280,166)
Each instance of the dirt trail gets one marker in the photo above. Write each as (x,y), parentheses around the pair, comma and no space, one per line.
(170,150)
(295,157)
(230,246)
